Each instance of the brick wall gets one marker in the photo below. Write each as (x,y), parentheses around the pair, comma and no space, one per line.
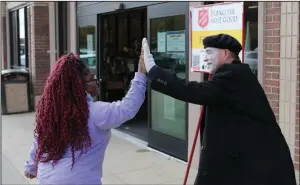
(39,45)
(272,54)
(279,60)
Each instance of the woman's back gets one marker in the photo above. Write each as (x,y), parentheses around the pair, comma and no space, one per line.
(87,168)
(73,131)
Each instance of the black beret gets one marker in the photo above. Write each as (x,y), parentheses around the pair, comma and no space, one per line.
(223,41)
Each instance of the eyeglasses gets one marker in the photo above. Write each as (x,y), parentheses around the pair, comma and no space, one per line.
(92,80)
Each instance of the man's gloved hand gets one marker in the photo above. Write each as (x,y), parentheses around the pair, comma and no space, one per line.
(148,58)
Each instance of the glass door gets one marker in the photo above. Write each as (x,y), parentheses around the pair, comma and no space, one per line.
(168,41)
(106,40)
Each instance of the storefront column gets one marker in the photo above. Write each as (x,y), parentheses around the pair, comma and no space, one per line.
(3,36)
(261,27)
(289,63)
(39,61)
(194,110)
(52,34)
(297,126)
(73,27)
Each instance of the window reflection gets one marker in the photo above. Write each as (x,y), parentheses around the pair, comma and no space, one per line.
(22,44)
(18,38)
(167,44)
(251,35)
(87,46)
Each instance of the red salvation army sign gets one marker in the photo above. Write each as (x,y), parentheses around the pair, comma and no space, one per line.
(206,20)
(203,18)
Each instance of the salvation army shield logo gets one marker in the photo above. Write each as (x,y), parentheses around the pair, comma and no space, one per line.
(203,18)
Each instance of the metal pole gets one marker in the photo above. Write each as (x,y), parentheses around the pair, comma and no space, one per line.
(52,34)
(194,142)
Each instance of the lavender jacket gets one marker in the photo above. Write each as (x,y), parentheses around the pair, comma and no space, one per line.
(103,117)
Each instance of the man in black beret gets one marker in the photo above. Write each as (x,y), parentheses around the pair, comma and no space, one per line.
(241,142)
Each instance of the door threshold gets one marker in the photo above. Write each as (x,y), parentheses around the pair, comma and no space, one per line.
(140,143)
(130,132)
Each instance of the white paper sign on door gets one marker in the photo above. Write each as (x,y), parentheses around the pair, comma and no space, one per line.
(176,41)
(90,47)
(161,42)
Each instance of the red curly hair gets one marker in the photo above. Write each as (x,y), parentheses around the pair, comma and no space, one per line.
(62,112)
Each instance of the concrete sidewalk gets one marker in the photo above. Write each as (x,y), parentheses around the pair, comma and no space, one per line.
(10,175)
(126,162)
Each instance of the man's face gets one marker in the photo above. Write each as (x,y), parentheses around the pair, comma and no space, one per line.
(215,58)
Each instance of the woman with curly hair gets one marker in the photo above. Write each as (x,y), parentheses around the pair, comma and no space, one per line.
(72,131)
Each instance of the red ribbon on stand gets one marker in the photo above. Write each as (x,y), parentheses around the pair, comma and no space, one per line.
(194,142)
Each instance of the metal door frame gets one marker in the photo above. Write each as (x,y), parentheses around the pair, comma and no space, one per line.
(173,146)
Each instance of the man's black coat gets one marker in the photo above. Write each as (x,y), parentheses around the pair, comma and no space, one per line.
(242,143)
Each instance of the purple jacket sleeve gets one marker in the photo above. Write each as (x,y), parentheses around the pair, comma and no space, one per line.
(30,166)
(111,115)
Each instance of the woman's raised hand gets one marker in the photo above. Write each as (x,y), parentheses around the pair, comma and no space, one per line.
(142,68)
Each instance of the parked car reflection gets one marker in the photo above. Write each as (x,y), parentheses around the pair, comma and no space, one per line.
(90,60)
(251,58)
(23,60)
(175,62)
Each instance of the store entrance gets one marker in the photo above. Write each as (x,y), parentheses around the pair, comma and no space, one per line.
(121,34)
